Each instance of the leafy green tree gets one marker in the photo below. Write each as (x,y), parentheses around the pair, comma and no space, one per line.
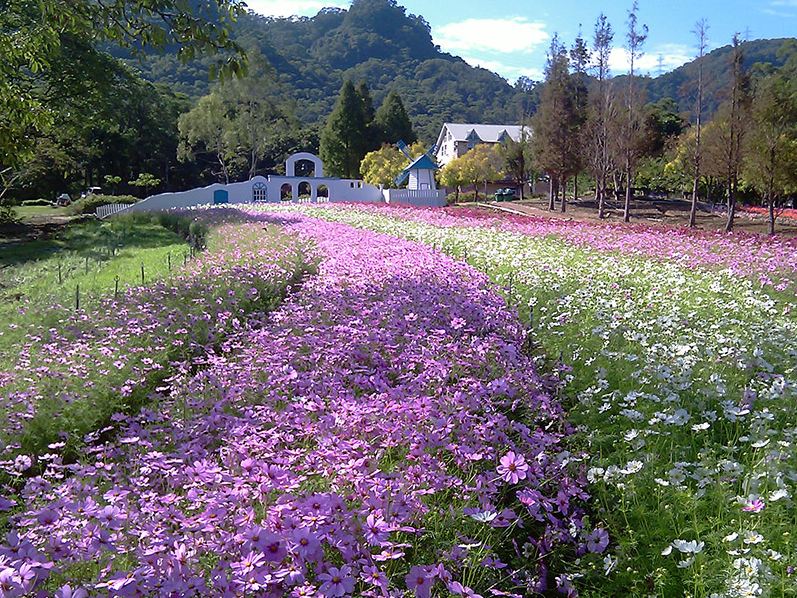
(479,166)
(631,137)
(600,111)
(146,181)
(452,175)
(770,163)
(518,159)
(381,167)
(554,124)
(203,134)
(392,121)
(37,38)
(256,111)
(579,62)
(372,138)
(343,141)
(113,182)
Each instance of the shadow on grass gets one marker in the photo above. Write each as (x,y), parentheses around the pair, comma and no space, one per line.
(100,240)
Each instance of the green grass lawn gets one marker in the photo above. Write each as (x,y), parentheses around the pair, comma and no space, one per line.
(90,260)
(28,212)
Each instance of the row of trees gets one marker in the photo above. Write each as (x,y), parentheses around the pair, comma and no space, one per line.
(64,101)
(355,129)
(590,122)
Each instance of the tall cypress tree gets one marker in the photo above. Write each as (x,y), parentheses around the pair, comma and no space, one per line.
(371,136)
(392,121)
(343,140)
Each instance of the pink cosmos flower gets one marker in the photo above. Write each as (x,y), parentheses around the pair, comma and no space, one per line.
(597,541)
(337,582)
(513,468)
(419,580)
(754,506)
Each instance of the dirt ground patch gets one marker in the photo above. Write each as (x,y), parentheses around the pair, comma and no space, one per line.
(664,213)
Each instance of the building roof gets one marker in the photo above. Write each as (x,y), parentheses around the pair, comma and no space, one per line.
(424,162)
(486,133)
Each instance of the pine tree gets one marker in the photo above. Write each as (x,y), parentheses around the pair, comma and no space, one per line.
(392,121)
(371,136)
(555,122)
(343,140)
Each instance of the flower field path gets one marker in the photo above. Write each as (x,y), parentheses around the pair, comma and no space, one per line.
(383,433)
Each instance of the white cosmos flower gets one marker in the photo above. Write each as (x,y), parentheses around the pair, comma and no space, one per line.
(753,537)
(688,546)
(661,482)
(609,564)
(760,443)
(686,562)
(594,474)
(701,427)
(667,551)
(776,495)
(774,555)
(632,467)
(730,537)
(631,434)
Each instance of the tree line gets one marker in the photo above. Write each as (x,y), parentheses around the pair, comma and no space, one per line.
(590,123)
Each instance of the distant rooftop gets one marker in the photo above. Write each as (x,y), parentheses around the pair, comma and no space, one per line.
(486,133)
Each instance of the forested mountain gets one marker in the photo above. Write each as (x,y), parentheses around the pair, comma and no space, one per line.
(375,41)
(679,84)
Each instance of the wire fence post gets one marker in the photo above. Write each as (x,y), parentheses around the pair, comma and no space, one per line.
(116,287)
(77,297)
(60,277)
(142,273)
(87,264)
(169,260)
(510,287)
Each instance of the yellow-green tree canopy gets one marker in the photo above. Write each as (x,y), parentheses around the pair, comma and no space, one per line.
(382,166)
(478,166)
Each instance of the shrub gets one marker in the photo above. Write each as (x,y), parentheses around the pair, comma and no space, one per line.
(90,203)
(464,196)
(37,202)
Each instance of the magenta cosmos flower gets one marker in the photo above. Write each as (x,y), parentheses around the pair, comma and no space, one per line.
(420,580)
(513,468)
(337,582)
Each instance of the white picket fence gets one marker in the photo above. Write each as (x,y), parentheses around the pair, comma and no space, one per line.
(415,197)
(109,209)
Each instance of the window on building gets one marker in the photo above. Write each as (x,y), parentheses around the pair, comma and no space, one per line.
(259,192)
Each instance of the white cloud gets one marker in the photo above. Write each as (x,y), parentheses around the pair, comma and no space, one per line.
(506,36)
(782,8)
(508,71)
(287,8)
(671,55)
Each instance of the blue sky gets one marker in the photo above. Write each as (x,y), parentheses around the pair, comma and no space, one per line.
(511,37)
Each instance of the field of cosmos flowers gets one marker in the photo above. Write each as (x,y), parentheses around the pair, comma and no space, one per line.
(362,401)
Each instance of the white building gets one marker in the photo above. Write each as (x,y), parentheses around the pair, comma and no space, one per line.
(456,139)
(312,188)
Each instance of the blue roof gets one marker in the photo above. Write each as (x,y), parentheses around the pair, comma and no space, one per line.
(423,163)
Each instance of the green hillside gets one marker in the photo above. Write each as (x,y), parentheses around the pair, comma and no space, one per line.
(379,42)
(375,40)
(680,84)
